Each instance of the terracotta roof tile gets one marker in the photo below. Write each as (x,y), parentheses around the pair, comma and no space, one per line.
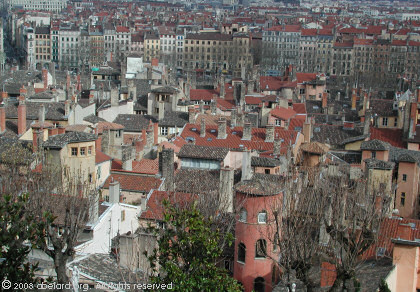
(136,183)
(283,113)
(101,157)
(146,166)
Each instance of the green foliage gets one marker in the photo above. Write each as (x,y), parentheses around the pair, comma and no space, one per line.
(383,286)
(19,231)
(187,252)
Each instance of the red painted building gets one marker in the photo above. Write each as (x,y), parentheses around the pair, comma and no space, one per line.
(257,199)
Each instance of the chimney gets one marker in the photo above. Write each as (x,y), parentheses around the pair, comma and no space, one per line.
(52,132)
(246,165)
(115,97)
(269,133)
(2,119)
(21,116)
(307,130)
(91,98)
(251,86)
(68,83)
(155,62)
(242,98)
(78,84)
(338,96)
(404,232)
(155,133)
(353,100)
(67,108)
(161,110)
(61,130)
(45,77)
(143,204)
(5,97)
(41,114)
(226,189)
(247,131)
(114,192)
(418,94)
(166,168)
(201,106)
(191,115)
(52,68)
(23,92)
(213,107)
(324,101)
(128,165)
(277,147)
(221,132)
(203,127)
(233,118)
(37,139)
(222,87)
(366,124)
(132,90)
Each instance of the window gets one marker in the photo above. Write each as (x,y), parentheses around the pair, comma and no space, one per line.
(267,171)
(242,215)
(90,178)
(259,285)
(404,177)
(262,217)
(83,151)
(261,248)
(373,154)
(164,131)
(73,151)
(241,252)
(396,122)
(402,199)
(278,122)
(90,150)
(384,121)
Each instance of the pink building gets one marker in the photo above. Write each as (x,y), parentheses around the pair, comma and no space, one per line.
(257,200)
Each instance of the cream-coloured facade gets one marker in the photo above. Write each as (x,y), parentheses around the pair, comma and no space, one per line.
(50,5)
(151,47)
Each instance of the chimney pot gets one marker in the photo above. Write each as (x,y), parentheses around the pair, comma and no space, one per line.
(221,133)
(247,131)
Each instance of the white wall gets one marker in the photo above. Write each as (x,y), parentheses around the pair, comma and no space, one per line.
(102,172)
(109,114)
(108,226)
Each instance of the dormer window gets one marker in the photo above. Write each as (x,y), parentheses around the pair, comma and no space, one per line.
(373,154)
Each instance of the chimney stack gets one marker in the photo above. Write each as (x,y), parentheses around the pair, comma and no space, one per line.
(226,189)
(37,139)
(221,133)
(307,130)
(45,78)
(222,87)
(203,127)
(201,106)
(191,115)
(247,131)
(2,119)
(161,114)
(114,192)
(366,124)
(21,116)
(41,114)
(269,133)
(242,98)
(67,108)
(5,98)
(246,165)
(166,168)
(324,101)
(115,97)
(233,118)
(91,98)
(23,92)
(213,106)
(277,147)
(353,100)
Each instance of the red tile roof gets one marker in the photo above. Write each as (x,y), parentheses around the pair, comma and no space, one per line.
(388,231)
(202,94)
(234,137)
(305,77)
(101,157)
(116,164)
(252,100)
(146,166)
(136,183)
(107,125)
(154,207)
(283,113)
(286,28)
(392,136)
(275,83)
(225,104)
(122,29)
(299,108)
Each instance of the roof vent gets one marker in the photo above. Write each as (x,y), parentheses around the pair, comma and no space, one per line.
(209,139)
(194,129)
(233,133)
(317,129)
(380,251)
(241,146)
(315,107)
(213,131)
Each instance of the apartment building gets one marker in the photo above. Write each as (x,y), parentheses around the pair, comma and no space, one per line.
(151,47)
(217,52)
(68,40)
(123,41)
(51,5)
(281,46)
(96,44)
(42,46)
(167,38)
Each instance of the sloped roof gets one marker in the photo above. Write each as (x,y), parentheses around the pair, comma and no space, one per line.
(264,162)
(375,145)
(203,152)
(135,183)
(261,185)
(59,141)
